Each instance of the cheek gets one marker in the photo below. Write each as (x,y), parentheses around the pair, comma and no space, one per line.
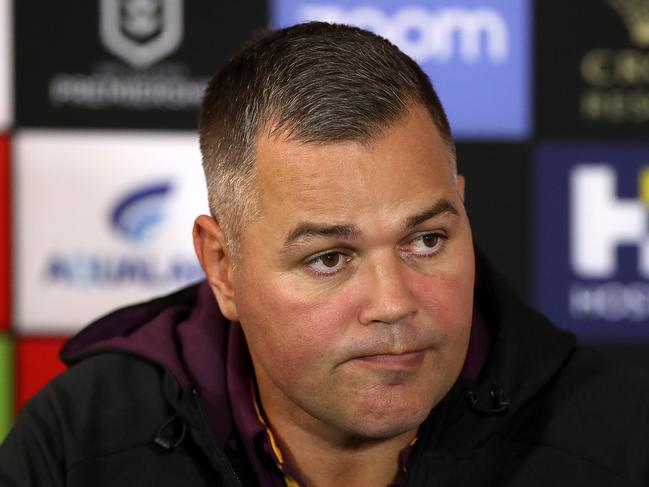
(303,330)
(448,297)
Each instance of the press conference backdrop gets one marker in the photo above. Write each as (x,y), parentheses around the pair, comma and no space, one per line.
(100,173)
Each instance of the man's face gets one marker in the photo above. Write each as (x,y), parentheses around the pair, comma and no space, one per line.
(355,283)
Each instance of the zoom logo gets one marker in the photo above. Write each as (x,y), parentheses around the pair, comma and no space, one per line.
(137,215)
(476,53)
(468,34)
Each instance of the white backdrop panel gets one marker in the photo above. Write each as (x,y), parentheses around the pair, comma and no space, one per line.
(102,219)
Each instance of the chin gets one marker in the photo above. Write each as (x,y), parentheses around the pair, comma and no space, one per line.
(372,433)
(390,424)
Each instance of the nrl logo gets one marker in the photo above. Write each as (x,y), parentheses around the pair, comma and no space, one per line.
(141,31)
(635,15)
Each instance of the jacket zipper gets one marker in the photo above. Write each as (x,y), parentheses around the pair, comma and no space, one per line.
(216,456)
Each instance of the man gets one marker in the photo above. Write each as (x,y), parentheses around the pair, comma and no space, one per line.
(345,333)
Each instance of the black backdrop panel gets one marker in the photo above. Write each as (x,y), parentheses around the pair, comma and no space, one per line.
(123,64)
(592,69)
(498,202)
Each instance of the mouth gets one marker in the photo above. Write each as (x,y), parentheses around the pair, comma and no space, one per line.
(409,359)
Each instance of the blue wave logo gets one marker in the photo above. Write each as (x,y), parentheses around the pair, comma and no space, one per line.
(140,212)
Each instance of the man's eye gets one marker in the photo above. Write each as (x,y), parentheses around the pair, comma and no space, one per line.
(330,260)
(427,244)
(327,264)
(430,240)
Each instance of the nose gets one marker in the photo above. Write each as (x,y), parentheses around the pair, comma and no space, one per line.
(388,297)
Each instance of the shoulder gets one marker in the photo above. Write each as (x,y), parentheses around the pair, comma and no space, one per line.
(110,419)
(106,381)
(595,413)
(601,384)
(105,403)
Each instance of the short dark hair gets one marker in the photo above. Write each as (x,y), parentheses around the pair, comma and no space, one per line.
(313,82)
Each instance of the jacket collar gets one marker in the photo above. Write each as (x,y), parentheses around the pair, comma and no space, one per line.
(526,349)
(526,352)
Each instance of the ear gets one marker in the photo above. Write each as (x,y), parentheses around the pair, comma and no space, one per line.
(216,261)
(460,186)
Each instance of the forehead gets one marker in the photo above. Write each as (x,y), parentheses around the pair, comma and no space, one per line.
(405,162)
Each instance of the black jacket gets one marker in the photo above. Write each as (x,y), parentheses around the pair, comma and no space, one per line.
(543,413)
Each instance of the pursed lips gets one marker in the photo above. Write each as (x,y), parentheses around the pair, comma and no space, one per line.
(408,358)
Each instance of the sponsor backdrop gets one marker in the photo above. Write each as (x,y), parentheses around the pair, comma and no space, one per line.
(599,85)
(5,235)
(6,43)
(130,237)
(100,173)
(122,63)
(592,250)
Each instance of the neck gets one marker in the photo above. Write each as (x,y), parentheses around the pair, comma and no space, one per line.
(324,465)
(324,458)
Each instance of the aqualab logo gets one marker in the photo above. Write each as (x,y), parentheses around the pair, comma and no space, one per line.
(476,53)
(137,217)
(593,239)
(141,31)
(137,214)
(115,231)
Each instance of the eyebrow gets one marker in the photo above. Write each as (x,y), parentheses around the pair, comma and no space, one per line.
(351,232)
(310,230)
(443,206)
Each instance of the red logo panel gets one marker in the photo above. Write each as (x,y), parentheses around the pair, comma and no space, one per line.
(37,362)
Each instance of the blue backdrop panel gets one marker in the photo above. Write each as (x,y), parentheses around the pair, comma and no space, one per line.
(592,238)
